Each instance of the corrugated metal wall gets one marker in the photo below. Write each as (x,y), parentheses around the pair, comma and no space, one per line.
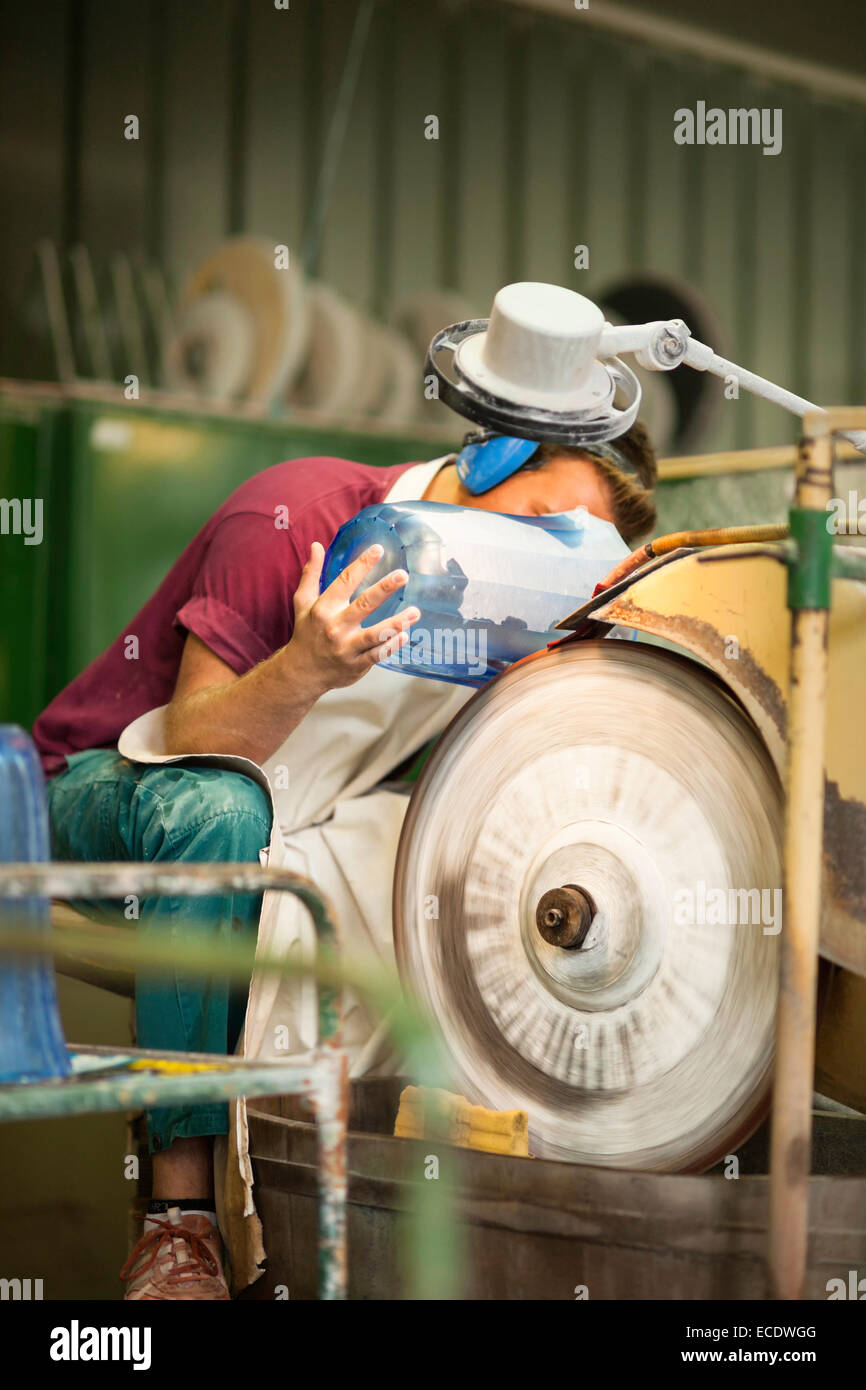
(552,133)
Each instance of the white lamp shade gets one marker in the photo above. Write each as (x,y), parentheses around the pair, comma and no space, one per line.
(540,348)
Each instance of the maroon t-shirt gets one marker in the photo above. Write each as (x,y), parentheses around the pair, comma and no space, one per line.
(232,587)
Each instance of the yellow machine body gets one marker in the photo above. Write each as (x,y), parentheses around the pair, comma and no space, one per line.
(728,608)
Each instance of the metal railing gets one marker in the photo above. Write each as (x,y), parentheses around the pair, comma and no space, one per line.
(323,1074)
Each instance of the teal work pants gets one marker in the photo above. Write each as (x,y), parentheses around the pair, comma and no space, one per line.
(105,807)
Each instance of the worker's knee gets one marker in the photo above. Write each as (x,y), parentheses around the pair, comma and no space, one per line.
(239,811)
(206,814)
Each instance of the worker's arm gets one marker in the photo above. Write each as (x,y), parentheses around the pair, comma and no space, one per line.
(215,711)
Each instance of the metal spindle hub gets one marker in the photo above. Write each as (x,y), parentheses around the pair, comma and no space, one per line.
(564,916)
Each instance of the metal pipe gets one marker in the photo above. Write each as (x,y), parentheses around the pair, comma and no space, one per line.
(775,456)
(703,359)
(331,1103)
(809,585)
(435,1238)
(334,140)
(73,881)
(226,1079)
(849,562)
(790,1152)
(663,345)
(677,540)
(654,31)
(721,535)
(326,1076)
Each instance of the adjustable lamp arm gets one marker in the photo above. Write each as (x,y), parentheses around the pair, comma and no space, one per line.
(661,346)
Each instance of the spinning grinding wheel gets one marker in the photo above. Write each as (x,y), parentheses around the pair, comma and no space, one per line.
(565,830)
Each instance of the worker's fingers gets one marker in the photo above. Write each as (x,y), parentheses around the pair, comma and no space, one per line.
(392,644)
(308,585)
(341,589)
(367,602)
(369,637)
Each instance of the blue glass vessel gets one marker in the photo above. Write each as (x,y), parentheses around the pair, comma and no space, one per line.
(32,1045)
(490,587)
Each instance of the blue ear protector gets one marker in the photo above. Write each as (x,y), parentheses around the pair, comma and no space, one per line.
(488,459)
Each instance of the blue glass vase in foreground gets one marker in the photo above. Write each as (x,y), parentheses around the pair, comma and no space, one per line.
(32,1045)
(490,587)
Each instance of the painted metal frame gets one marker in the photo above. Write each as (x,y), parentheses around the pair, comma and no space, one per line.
(809,598)
(323,1075)
(797,740)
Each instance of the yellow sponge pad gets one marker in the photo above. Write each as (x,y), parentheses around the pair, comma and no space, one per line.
(427,1113)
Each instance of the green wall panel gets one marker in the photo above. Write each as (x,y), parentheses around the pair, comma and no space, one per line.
(124,489)
(146,481)
(34,625)
(552,133)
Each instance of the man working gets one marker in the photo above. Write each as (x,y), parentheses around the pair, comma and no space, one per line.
(241,650)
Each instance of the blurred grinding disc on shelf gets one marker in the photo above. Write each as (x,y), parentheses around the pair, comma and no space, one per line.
(331,379)
(550,906)
(404,387)
(355,366)
(419,317)
(212,349)
(256,305)
(375,368)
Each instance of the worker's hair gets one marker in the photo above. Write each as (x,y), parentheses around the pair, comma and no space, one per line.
(631,497)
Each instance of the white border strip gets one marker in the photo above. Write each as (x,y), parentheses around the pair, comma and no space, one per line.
(687,38)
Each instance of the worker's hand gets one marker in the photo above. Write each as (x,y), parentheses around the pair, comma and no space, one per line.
(329,645)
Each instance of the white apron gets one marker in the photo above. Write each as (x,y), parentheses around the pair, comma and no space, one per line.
(332,827)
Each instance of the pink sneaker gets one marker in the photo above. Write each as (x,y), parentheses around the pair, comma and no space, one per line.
(179,1257)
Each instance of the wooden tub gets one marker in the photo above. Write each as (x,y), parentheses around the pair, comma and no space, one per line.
(538,1229)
